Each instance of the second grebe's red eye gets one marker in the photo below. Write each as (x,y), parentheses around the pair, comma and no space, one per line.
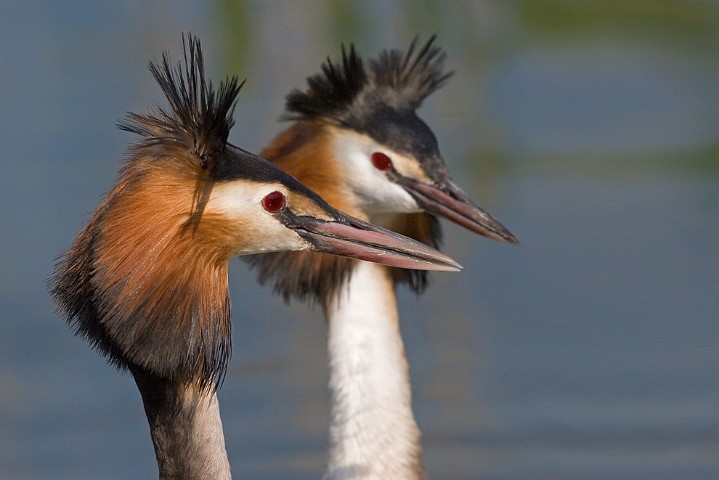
(381,161)
(273,202)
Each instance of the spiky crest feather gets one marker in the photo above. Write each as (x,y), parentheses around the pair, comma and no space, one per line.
(200,118)
(330,92)
(342,92)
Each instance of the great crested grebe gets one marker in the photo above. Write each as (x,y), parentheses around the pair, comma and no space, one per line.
(357,141)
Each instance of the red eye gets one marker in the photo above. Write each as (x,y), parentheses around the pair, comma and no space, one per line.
(273,202)
(381,161)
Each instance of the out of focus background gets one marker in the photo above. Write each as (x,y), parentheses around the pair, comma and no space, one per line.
(590,129)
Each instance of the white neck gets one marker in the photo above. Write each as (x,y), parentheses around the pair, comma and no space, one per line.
(373,434)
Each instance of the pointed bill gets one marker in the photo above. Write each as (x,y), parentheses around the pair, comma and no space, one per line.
(351,237)
(452,203)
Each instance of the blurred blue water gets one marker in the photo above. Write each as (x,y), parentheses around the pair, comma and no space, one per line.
(589,352)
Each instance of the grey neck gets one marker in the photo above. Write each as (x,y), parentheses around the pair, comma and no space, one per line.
(186,428)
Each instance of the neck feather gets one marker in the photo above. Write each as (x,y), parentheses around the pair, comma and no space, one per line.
(185,426)
(373,433)
(145,285)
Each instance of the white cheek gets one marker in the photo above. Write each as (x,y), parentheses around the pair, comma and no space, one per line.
(375,192)
(269,235)
(258,231)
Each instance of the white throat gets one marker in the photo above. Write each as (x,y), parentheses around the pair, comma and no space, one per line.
(373,434)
